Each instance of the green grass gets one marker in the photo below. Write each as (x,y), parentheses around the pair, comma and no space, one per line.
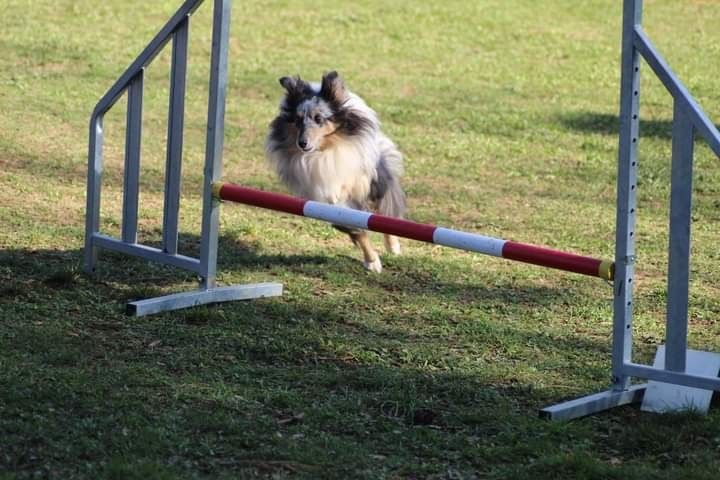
(507,113)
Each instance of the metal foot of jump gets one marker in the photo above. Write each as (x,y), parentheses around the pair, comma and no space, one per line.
(594,403)
(177,301)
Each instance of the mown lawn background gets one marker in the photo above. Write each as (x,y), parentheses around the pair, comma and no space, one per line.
(436,368)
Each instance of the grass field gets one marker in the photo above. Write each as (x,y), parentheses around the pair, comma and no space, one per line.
(507,114)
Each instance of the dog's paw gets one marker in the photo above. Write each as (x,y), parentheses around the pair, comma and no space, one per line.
(374,266)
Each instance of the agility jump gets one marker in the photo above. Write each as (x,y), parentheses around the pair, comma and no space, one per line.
(677,369)
(472,242)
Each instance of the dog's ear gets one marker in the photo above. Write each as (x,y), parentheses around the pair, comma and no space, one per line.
(289,83)
(297,89)
(332,88)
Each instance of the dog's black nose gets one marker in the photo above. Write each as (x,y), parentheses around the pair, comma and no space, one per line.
(302,144)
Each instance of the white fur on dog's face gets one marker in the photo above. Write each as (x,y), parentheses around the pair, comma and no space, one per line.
(314,125)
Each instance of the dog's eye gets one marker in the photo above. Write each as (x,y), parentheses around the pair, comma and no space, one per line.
(318,119)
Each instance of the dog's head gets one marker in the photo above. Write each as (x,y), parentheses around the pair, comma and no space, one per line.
(313,116)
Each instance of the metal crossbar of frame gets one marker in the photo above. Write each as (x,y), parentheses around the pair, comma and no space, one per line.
(688,119)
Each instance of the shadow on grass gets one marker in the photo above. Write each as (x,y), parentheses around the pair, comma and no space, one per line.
(201,400)
(119,279)
(609,124)
(405,306)
(249,380)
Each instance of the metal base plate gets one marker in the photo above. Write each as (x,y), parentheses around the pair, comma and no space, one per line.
(177,301)
(667,397)
(590,404)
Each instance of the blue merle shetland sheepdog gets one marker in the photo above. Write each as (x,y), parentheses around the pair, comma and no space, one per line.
(326,145)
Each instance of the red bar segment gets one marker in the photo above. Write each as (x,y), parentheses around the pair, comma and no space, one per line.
(547,257)
(401,228)
(258,198)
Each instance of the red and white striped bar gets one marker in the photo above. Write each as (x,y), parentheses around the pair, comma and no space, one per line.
(472,242)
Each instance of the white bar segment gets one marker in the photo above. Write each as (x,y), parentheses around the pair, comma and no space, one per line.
(468,241)
(346,217)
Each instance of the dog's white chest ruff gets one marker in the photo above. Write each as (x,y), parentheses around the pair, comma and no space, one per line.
(334,175)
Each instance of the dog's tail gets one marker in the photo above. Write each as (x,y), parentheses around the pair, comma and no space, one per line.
(391,198)
(392,203)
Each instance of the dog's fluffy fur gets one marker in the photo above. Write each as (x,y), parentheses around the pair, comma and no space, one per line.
(326,145)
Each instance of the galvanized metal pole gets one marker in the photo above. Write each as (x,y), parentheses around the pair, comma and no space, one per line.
(176,120)
(94,185)
(626,196)
(133,142)
(214,142)
(679,247)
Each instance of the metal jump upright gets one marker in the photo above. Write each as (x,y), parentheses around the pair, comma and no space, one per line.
(688,118)
(177,30)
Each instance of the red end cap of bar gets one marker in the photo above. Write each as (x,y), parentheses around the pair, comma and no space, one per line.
(551,258)
(401,228)
(258,198)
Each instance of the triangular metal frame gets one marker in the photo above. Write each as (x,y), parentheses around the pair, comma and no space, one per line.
(688,119)
(177,30)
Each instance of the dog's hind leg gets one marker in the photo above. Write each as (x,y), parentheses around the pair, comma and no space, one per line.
(392,244)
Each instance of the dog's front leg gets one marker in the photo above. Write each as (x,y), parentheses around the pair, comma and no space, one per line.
(371,259)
